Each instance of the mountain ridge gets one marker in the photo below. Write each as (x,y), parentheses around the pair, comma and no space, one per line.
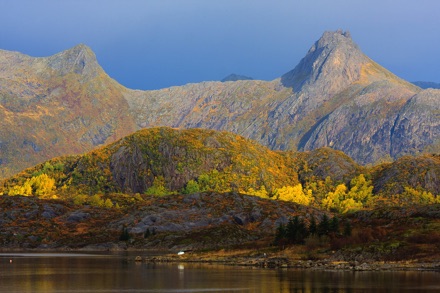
(67,104)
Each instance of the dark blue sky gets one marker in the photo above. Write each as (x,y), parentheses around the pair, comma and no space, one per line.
(151,44)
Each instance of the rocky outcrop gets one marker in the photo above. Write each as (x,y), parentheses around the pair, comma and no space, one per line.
(417,127)
(203,220)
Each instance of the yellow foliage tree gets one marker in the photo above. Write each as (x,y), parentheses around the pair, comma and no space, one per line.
(294,194)
(344,200)
(361,190)
(413,196)
(262,192)
(41,185)
(333,199)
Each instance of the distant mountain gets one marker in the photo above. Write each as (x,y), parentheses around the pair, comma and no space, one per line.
(427,84)
(335,97)
(235,77)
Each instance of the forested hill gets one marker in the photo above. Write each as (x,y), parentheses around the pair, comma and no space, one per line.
(198,189)
(335,97)
(163,161)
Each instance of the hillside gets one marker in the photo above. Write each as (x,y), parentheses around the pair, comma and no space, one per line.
(335,97)
(175,222)
(163,161)
(204,189)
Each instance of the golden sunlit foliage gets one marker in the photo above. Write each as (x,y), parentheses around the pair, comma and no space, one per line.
(344,200)
(165,161)
(42,186)
(294,194)
(412,196)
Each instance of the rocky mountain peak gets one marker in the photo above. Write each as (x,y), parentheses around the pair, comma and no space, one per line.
(79,59)
(333,39)
(331,64)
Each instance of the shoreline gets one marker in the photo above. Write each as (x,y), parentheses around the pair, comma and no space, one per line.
(248,260)
(288,263)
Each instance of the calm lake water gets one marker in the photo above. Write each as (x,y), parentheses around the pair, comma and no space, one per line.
(88,273)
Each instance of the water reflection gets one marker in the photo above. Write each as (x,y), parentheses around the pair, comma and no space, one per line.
(94,273)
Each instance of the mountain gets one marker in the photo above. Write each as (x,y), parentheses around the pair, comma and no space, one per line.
(427,84)
(335,97)
(235,77)
(58,105)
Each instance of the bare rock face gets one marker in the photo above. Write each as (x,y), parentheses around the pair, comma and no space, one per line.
(58,105)
(417,127)
(79,60)
(332,63)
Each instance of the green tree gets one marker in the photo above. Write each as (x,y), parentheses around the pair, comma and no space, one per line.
(347,228)
(296,230)
(191,187)
(125,236)
(312,226)
(334,225)
(158,188)
(280,234)
(324,226)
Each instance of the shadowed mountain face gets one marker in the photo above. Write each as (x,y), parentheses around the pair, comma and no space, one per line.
(336,96)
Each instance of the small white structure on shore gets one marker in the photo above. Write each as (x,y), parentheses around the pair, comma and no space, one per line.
(181,253)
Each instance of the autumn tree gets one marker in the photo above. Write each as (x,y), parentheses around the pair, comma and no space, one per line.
(41,185)
(343,200)
(294,194)
(361,190)
(262,192)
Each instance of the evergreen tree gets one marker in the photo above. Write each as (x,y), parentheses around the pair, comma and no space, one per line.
(334,225)
(125,236)
(296,230)
(347,228)
(280,234)
(291,229)
(147,233)
(302,232)
(324,226)
(312,227)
